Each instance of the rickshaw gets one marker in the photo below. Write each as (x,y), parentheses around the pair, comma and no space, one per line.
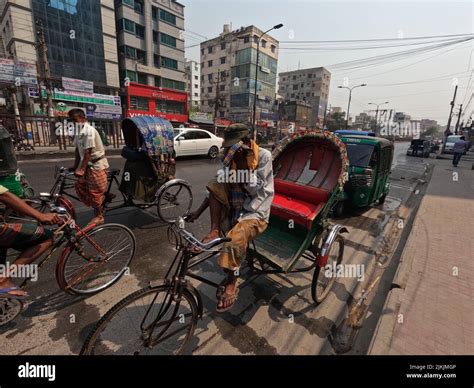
(148,177)
(370,162)
(309,171)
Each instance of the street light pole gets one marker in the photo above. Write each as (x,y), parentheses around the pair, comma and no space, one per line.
(350,97)
(276,27)
(377,114)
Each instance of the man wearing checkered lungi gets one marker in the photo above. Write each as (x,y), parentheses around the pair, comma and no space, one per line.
(91,165)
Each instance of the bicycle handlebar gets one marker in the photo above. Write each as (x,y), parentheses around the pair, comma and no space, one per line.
(189,237)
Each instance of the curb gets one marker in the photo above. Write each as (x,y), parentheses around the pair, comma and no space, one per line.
(382,338)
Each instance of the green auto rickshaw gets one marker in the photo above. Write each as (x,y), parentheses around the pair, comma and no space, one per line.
(370,162)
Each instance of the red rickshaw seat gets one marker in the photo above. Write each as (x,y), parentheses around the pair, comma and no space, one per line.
(300,203)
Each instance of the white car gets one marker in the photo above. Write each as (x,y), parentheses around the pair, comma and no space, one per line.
(449,146)
(195,141)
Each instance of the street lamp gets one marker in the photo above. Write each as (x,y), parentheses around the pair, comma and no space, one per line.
(276,27)
(377,113)
(350,96)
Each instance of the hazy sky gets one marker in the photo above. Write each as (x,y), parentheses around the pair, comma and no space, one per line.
(346,20)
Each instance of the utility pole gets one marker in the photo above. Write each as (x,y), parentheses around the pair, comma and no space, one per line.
(217,100)
(457,122)
(42,49)
(447,132)
(325,115)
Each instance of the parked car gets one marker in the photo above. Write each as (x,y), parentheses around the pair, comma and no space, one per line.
(194,141)
(419,147)
(449,146)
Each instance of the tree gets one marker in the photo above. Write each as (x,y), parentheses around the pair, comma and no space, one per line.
(335,121)
(431,131)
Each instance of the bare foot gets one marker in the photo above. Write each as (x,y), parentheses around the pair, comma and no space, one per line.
(7,283)
(97,220)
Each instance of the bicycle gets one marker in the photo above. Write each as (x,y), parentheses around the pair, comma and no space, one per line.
(164,303)
(173,199)
(94,259)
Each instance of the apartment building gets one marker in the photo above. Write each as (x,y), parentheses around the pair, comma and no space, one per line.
(82,51)
(150,43)
(193,81)
(308,85)
(228,72)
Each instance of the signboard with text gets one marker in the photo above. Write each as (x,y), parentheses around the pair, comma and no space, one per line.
(19,73)
(77,85)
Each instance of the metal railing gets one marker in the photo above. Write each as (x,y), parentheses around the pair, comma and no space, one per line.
(41,131)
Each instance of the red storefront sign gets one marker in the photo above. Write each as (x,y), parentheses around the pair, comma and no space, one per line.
(145,100)
(223,122)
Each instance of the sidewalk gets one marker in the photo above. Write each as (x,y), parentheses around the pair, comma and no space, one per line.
(430,309)
(53,152)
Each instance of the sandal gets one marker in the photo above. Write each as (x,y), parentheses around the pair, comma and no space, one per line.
(229,298)
(5,292)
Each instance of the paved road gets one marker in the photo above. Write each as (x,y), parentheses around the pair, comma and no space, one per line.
(274,315)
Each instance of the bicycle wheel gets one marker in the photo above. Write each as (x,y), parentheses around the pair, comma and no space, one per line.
(322,284)
(100,258)
(174,201)
(9,309)
(126,327)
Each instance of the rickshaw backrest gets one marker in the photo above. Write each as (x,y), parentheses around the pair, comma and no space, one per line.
(306,175)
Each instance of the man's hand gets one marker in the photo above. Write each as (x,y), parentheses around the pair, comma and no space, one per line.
(50,219)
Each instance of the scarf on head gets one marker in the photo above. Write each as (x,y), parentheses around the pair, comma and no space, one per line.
(235,191)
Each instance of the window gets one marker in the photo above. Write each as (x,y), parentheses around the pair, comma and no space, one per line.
(154,13)
(131,75)
(155,36)
(128,25)
(222,60)
(157,81)
(140,31)
(172,84)
(128,2)
(209,50)
(167,39)
(223,74)
(138,6)
(141,56)
(196,94)
(202,90)
(209,77)
(255,39)
(209,63)
(292,95)
(246,39)
(167,16)
(264,43)
(169,63)
(223,46)
(196,102)
(202,78)
(222,88)
(294,77)
(273,48)
(196,77)
(310,75)
(202,65)
(295,87)
(222,114)
(202,51)
(201,135)
(209,89)
(142,79)
(196,86)
(139,103)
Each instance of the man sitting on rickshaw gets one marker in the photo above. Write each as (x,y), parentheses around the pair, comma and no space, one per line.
(239,207)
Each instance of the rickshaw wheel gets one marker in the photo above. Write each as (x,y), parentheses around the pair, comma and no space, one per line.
(174,201)
(336,253)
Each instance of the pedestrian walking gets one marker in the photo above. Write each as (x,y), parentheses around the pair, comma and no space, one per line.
(460,147)
(91,165)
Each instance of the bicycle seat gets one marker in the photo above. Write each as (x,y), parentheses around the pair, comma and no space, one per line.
(113,172)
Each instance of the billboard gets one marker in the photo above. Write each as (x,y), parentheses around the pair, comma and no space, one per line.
(19,73)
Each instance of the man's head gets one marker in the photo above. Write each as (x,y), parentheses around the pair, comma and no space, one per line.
(77,115)
(235,133)
(462,138)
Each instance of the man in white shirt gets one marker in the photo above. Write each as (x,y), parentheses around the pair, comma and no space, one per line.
(91,166)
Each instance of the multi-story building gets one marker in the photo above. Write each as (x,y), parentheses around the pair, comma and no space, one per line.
(81,46)
(298,113)
(228,72)
(427,124)
(193,82)
(307,85)
(151,57)
(149,39)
